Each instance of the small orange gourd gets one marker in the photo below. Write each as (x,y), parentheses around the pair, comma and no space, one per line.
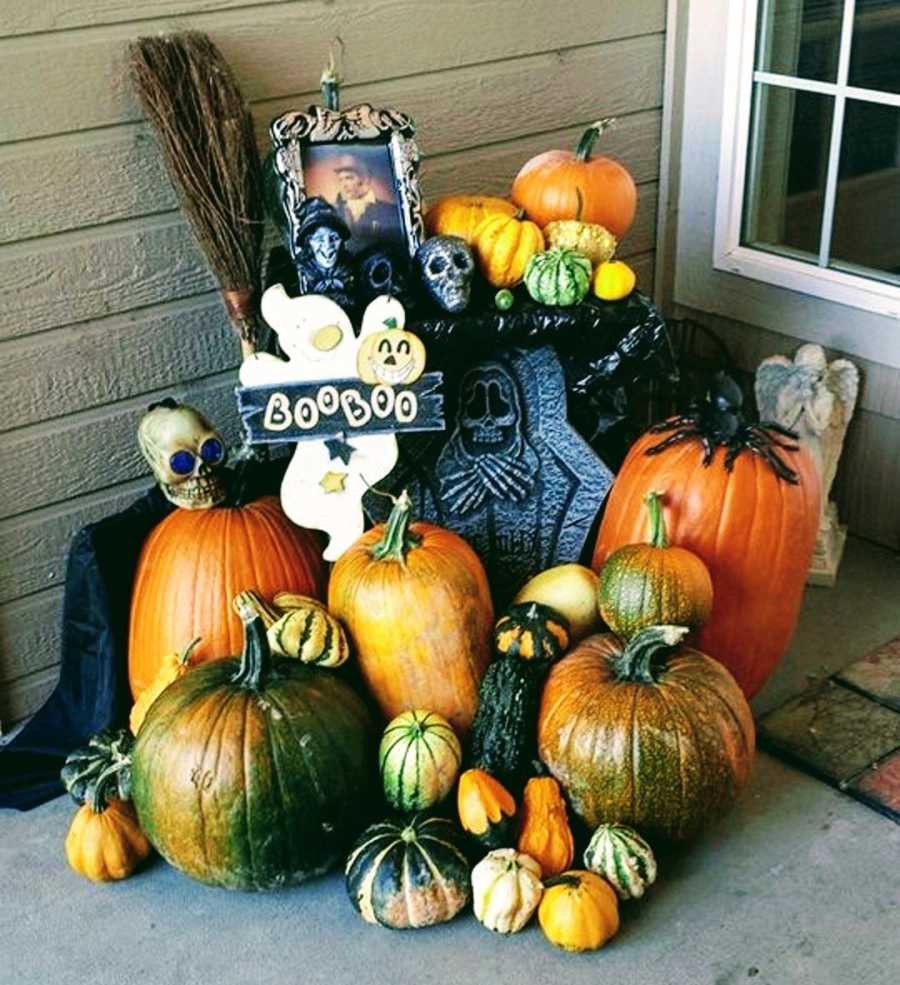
(503,245)
(579,911)
(460,215)
(105,842)
(544,833)
(173,666)
(486,808)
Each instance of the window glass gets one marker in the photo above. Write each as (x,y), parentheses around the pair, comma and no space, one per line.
(875,52)
(787,168)
(800,38)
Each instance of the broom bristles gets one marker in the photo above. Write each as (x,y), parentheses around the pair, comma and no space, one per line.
(204,130)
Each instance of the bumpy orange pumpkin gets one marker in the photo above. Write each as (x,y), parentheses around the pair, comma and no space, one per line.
(503,245)
(195,562)
(415,602)
(105,842)
(544,831)
(754,531)
(560,184)
(460,215)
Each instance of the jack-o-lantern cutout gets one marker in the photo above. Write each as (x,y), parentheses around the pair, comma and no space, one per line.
(394,357)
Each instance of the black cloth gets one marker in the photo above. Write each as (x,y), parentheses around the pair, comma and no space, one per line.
(92,692)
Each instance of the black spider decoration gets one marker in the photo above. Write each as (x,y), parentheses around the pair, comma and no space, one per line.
(717,420)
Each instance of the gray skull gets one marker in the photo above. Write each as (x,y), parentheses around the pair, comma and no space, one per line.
(185,453)
(446,264)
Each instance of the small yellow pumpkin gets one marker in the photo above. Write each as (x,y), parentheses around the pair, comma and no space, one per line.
(503,245)
(579,911)
(614,280)
(106,844)
(486,808)
(544,831)
(174,665)
(460,215)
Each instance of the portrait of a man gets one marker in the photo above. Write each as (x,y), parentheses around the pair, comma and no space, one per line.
(358,183)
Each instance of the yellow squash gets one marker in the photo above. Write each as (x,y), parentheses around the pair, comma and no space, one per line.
(173,666)
(107,844)
(503,245)
(579,911)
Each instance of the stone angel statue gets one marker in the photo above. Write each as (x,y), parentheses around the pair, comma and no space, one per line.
(816,399)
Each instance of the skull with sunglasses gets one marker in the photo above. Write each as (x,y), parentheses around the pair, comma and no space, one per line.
(185,453)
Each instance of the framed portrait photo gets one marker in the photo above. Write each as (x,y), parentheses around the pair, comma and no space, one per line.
(362,161)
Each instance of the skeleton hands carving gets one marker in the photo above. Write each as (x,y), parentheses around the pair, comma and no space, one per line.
(185,453)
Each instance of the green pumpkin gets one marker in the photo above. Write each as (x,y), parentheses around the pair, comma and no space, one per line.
(623,858)
(558,277)
(253,773)
(409,874)
(419,758)
(107,759)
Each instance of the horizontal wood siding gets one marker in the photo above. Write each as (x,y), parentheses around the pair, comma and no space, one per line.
(105,302)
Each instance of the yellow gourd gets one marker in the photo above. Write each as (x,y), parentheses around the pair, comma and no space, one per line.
(545,834)
(503,245)
(591,239)
(106,844)
(614,280)
(173,666)
(579,911)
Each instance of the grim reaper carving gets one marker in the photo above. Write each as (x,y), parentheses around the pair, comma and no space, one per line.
(488,454)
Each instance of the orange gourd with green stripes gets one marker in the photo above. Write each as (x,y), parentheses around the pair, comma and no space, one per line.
(503,245)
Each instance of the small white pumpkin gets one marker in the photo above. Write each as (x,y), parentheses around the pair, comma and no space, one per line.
(506,890)
(623,858)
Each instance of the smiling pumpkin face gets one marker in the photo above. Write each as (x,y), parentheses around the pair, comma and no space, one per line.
(394,357)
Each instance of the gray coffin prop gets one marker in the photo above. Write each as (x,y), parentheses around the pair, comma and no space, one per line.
(514,478)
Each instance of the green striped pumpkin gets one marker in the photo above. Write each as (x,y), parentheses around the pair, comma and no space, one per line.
(310,633)
(623,858)
(558,277)
(409,874)
(419,758)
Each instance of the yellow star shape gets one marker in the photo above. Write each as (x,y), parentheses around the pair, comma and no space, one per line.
(333,482)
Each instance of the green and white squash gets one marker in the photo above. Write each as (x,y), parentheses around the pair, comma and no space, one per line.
(409,874)
(107,755)
(419,759)
(506,890)
(558,277)
(623,858)
(310,633)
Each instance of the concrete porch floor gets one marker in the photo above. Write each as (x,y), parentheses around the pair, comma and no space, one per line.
(800,885)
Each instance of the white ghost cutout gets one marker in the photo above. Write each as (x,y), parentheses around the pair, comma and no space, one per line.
(320,490)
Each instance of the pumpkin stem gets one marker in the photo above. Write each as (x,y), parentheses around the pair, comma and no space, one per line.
(97,796)
(256,660)
(658,535)
(589,137)
(184,658)
(565,879)
(644,652)
(397,540)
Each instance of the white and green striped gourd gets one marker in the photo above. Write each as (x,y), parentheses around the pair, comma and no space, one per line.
(623,858)
(558,277)
(419,759)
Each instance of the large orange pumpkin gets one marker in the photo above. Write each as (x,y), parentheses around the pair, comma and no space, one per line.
(754,530)
(195,562)
(415,601)
(560,184)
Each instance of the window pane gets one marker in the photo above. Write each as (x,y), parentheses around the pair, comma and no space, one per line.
(867,209)
(875,54)
(800,37)
(790,137)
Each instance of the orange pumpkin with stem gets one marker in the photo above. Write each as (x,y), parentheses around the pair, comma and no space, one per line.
(751,518)
(560,184)
(415,602)
(195,562)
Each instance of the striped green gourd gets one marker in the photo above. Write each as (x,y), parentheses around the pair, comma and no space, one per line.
(419,758)
(409,874)
(558,277)
(623,858)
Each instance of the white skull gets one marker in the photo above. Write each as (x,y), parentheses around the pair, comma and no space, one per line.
(185,453)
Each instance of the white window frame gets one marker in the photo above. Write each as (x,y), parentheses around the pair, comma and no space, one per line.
(701,267)
(799,275)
